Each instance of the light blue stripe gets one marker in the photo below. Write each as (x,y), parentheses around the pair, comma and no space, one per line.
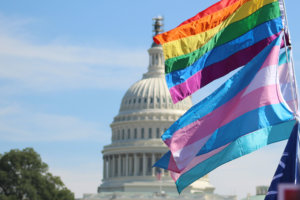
(242,146)
(282,56)
(256,119)
(218,54)
(224,93)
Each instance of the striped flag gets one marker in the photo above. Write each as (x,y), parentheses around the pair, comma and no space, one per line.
(286,171)
(247,112)
(221,38)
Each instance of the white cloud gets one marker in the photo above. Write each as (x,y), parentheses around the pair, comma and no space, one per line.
(25,65)
(82,178)
(14,47)
(17,124)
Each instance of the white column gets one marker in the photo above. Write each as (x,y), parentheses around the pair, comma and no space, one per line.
(113,166)
(144,164)
(135,160)
(130,167)
(153,162)
(126,165)
(119,165)
(104,167)
(109,166)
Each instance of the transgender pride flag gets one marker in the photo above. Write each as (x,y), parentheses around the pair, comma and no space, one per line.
(254,108)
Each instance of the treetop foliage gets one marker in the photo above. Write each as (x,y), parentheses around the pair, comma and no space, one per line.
(24,176)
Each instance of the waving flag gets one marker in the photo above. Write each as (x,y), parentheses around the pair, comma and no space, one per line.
(288,170)
(246,113)
(216,41)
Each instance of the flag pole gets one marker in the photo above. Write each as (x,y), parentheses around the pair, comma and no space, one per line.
(291,66)
(297,158)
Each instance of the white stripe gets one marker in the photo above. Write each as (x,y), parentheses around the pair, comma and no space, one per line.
(272,192)
(282,164)
(265,76)
(277,176)
(185,155)
(285,154)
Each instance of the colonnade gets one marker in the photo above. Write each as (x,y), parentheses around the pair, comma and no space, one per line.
(130,164)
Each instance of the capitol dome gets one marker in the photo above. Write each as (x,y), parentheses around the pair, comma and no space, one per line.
(146,111)
(151,94)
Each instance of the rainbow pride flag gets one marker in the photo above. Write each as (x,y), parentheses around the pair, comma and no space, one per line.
(252,109)
(216,41)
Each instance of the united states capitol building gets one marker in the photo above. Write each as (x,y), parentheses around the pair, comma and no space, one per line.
(146,111)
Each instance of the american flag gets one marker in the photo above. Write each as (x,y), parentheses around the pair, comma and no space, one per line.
(158,173)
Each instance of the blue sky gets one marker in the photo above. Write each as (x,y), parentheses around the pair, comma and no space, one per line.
(64,67)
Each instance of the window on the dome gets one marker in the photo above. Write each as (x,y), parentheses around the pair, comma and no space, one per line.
(123,134)
(150,132)
(135,133)
(151,100)
(157,133)
(149,165)
(145,100)
(142,133)
(140,166)
(128,134)
(140,100)
(152,60)
(133,101)
(129,101)
(157,100)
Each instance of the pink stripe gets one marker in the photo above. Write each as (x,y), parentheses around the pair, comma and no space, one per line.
(197,160)
(172,165)
(272,58)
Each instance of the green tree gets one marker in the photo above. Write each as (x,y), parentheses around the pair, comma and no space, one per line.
(23,175)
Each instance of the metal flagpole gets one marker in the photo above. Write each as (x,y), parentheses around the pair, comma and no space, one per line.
(286,30)
(160,185)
